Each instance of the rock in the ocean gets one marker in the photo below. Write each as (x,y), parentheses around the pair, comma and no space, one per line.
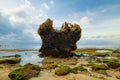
(10,60)
(58,43)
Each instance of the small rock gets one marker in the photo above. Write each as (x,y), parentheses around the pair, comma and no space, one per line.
(48,66)
(114,64)
(103,78)
(97,66)
(106,60)
(25,72)
(62,70)
(103,53)
(102,72)
(118,77)
(10,60)
(16,55)
(116,51)
(76,69)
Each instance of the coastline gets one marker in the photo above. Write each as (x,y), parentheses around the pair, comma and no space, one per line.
(46,74)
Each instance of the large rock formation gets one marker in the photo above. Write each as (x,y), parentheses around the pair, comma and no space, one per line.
(58,43)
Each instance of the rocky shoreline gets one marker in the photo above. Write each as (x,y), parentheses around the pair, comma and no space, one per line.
(88,64)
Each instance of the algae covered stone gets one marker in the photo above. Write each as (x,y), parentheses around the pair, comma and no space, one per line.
(118,77)
(102,72)
(25,72)
(97,66)
(10,60)
(49,66)
(76,69)
(114,64)
(62,70)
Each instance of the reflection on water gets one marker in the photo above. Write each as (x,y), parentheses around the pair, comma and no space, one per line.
(26,56)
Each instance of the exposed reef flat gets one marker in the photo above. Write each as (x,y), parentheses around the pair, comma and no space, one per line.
(85,66)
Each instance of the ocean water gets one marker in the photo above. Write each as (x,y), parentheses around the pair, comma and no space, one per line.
(37,46)
(30,56)
(26,56)
(20,46)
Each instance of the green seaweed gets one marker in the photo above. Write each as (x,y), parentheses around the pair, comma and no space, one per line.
(62,70)
(96,66)
(102,72)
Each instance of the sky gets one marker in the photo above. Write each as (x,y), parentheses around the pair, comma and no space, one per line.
(99,20)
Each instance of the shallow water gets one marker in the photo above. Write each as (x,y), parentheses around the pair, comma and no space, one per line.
(26,56)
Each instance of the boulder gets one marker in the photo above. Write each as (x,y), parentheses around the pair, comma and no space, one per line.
(10,60)
(114,64)
(118,77)
(25,72)
(15,55)
(62,70)
(102,53)
(76,69)
(97,66)
(58,43)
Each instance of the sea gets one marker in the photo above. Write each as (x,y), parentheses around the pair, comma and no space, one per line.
(36,46)
(30,53)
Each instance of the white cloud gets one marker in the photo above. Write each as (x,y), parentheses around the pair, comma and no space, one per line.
(45,5)
(14,14)
(24,18)
(22,7)
(31,32)
(84,20)
(92,22)
(16,19)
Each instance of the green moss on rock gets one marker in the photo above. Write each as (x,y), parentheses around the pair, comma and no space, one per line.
(49,66)
(118,77)
(10,60)
(114,64)
(103,78)
(62,70)
(107,60)
(82,68)
(75,70)
(97,66)
(25,72)
(102,72)
(16,75)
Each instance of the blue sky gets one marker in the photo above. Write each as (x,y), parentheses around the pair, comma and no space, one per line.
(99,19)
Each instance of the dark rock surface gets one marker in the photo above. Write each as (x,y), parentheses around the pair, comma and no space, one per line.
(58,43)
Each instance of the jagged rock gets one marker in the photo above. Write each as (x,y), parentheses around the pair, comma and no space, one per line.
(58,43)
